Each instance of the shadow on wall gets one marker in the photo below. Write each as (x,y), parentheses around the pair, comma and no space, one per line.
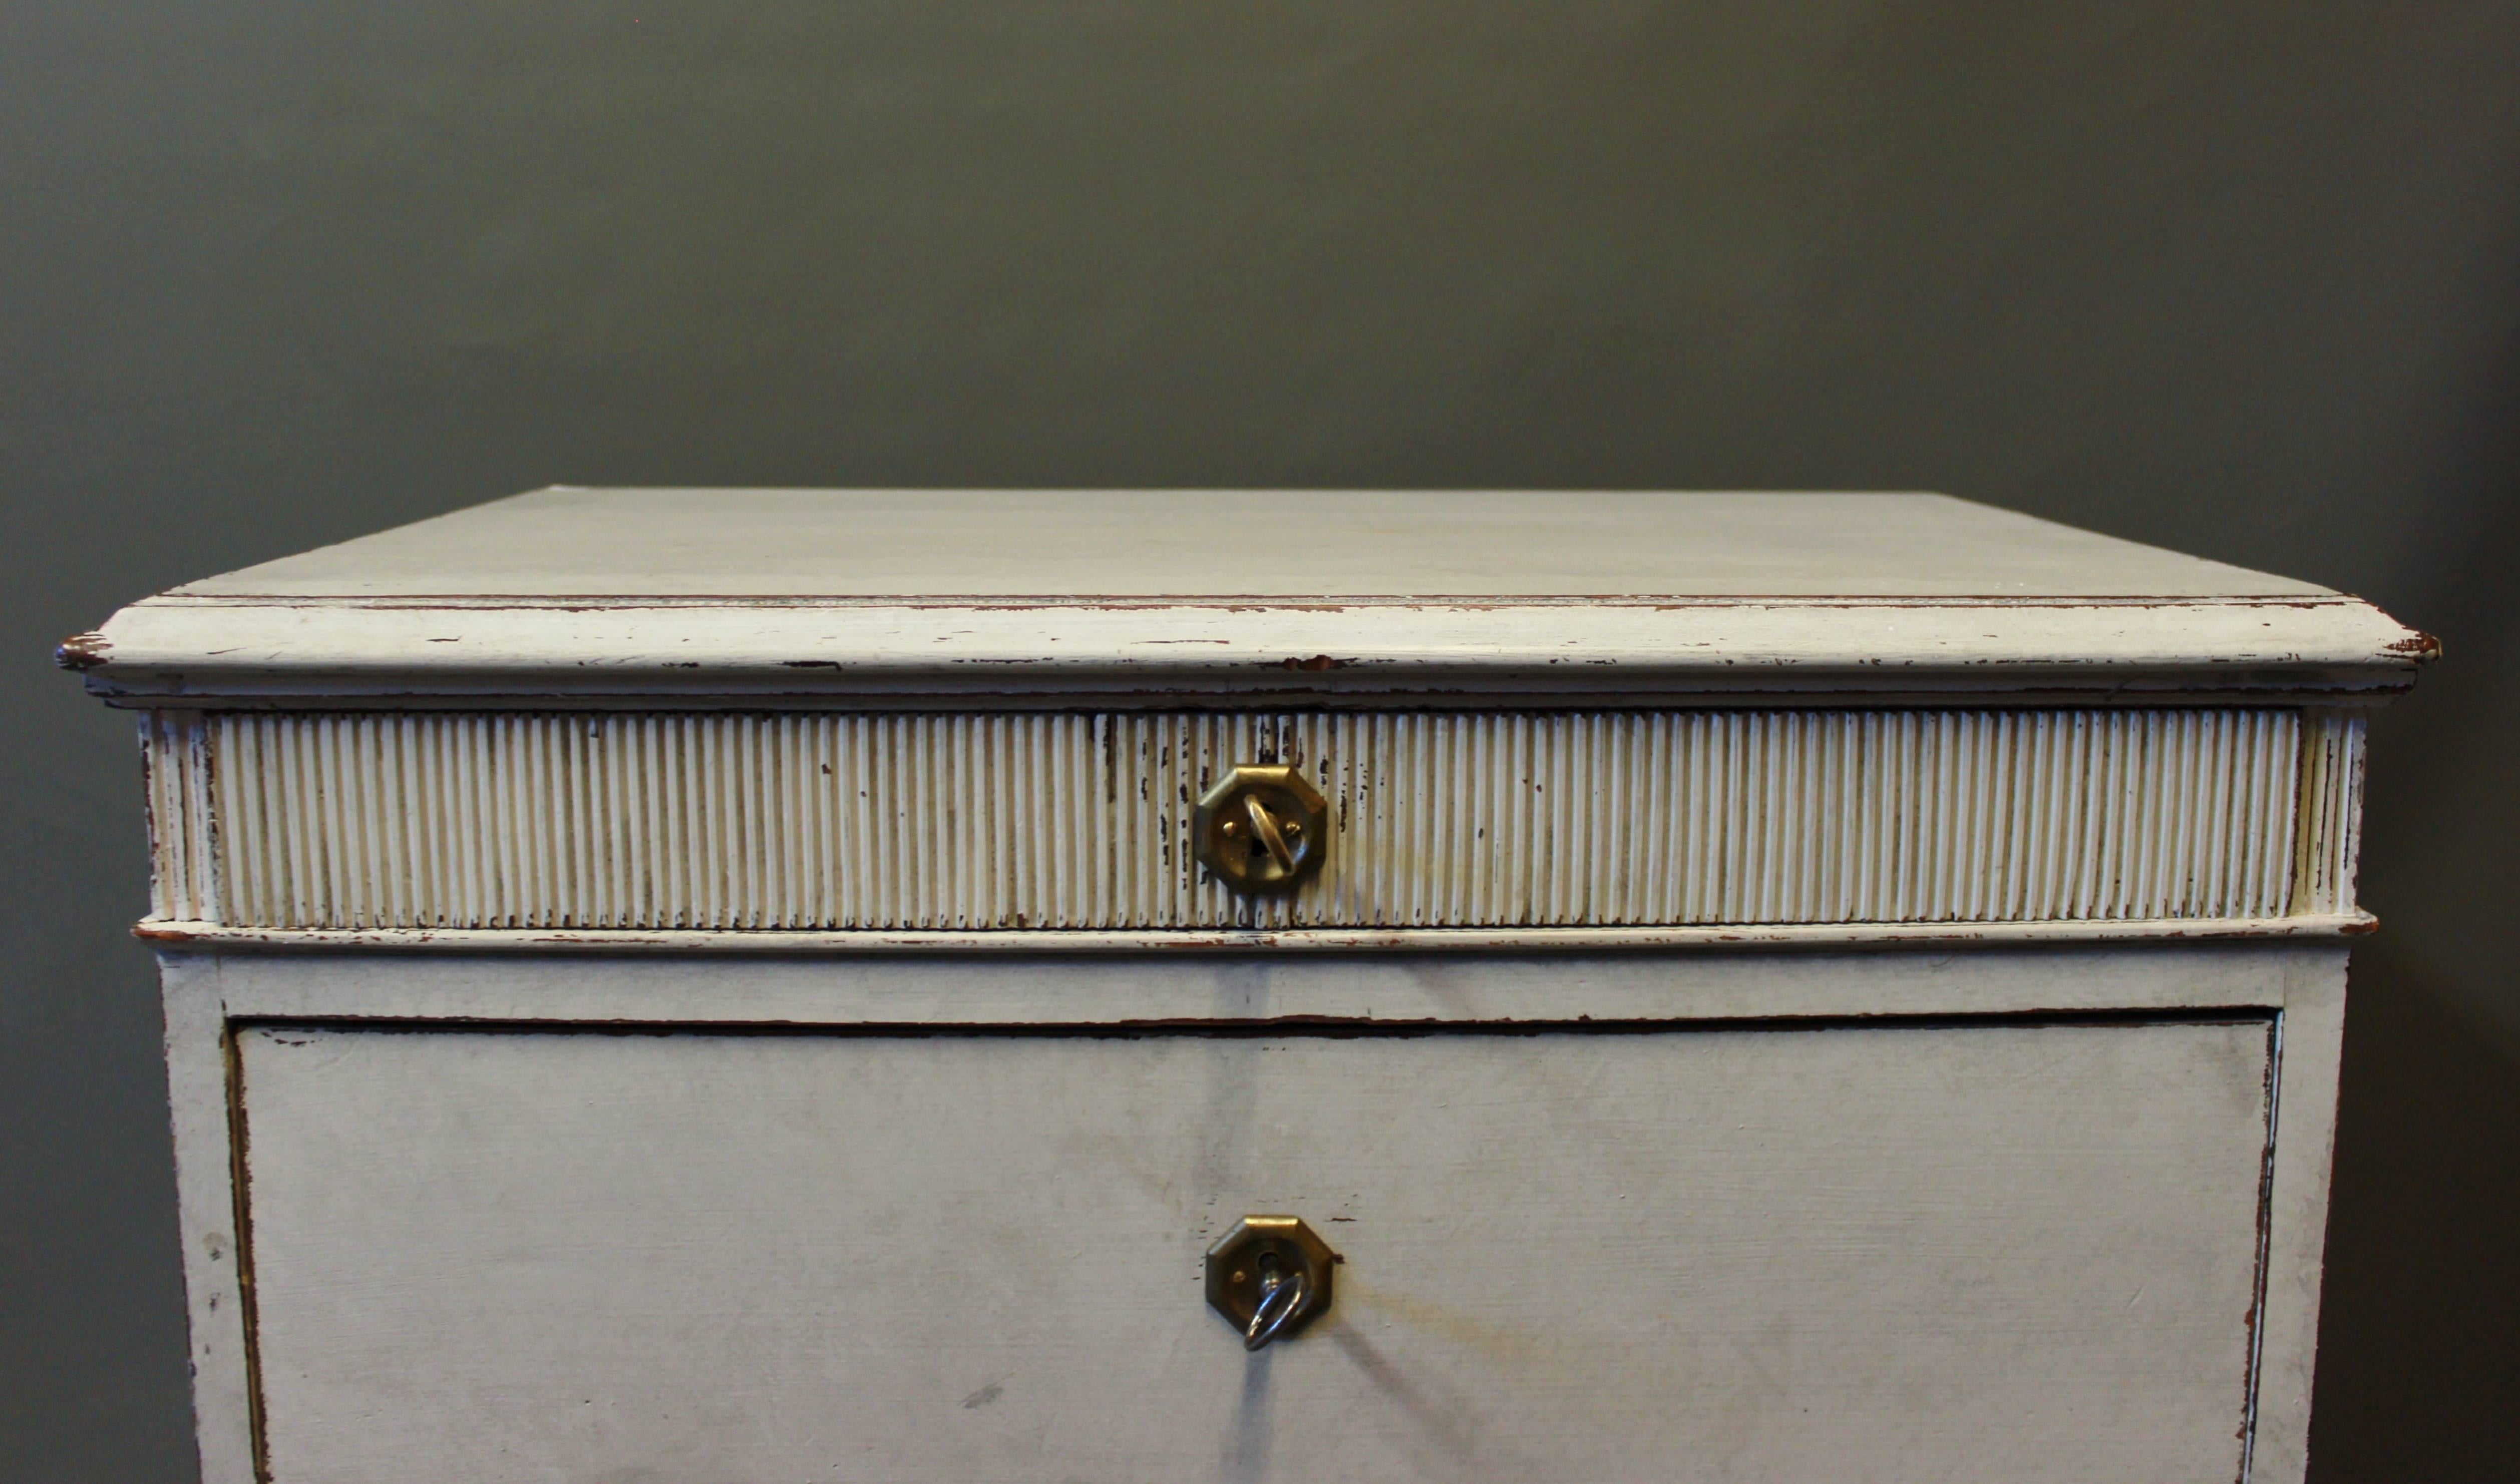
(2416,1358)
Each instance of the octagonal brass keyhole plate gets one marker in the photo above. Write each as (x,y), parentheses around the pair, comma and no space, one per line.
(1261,828)
(1269,1276)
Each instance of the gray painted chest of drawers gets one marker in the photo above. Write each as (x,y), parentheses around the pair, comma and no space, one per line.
(773,985)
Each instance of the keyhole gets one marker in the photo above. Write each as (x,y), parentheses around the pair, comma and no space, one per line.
(1252,845)
(1269,1276)
(1256,833)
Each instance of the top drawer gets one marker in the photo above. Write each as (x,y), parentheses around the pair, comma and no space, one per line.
(996,821)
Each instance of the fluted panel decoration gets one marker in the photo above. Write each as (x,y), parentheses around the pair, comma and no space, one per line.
(2331,810)
(174,766)
(1044,820)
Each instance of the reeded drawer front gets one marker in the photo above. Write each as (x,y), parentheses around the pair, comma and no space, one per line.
(1972,1249)
(803,821)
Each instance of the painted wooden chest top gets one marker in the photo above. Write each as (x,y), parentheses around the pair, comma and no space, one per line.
(1023,985)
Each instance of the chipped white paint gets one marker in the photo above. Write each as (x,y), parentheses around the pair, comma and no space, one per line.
(1264,941)
(2330,836)
(1515,983)
(2295,983)
(956,1259)
(816,821)
(894,782)
(1077,655)
(176,772)
(897,598)
(2091,1139)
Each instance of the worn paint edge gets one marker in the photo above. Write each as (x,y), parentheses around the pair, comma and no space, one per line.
(221,936)
(722,820)
(2255,1372)
(2312,1029)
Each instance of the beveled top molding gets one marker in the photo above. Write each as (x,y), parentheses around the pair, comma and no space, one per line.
(1150,599)
(881,656)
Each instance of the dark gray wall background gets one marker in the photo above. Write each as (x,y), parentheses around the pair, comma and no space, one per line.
(2239,279)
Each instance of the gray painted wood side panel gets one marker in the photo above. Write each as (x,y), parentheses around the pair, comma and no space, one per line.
(2311,1051)
(1964,1252)
(206,1196)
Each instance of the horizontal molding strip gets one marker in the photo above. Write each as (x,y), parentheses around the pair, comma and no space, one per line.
(1816,936)
(831,823)
(1082,654)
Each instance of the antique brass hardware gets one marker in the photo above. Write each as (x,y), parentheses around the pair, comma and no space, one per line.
(1269,1276)
(1261,828)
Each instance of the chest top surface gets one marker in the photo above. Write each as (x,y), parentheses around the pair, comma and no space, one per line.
(1034,596)
(1051,546)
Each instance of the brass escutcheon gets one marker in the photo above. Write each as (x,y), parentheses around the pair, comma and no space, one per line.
(1268,1275)
(1261,828)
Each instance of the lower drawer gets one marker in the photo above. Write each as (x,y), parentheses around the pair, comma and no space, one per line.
(1957,1248)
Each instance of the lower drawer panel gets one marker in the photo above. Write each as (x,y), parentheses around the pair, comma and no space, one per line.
(1965,1249)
